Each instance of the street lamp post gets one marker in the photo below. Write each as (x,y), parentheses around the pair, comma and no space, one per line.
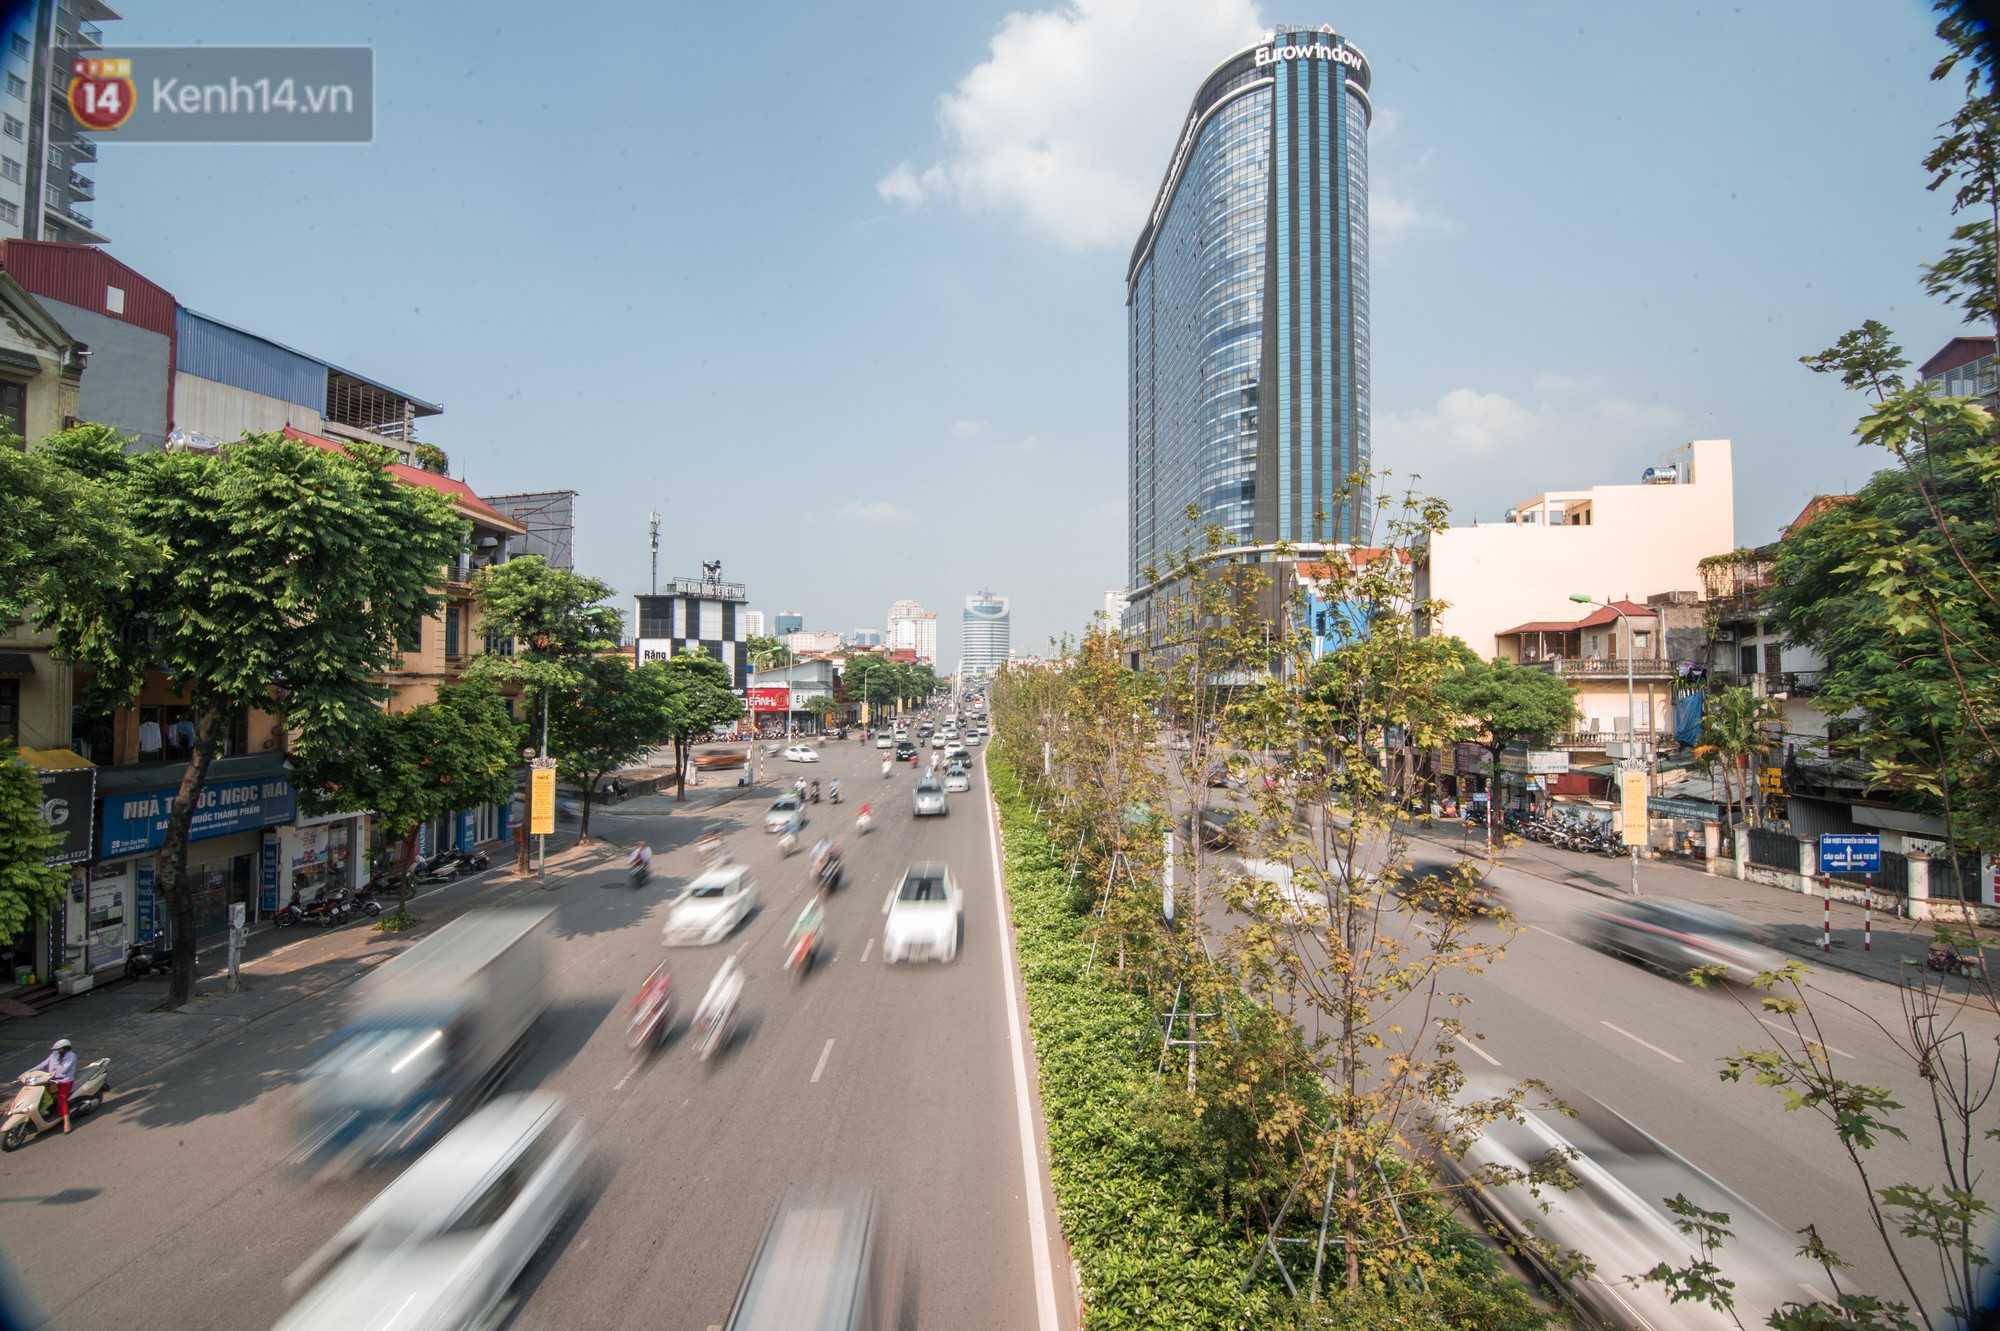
(1628,764)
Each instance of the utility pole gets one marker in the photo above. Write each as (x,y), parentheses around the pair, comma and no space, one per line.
(653,525)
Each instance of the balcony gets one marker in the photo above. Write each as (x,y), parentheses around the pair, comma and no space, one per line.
(82,187)
(84,150)
(89,37)
(1594,739)
(1795,683)
(1603,667)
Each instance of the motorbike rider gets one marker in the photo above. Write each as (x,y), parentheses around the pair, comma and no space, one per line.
(815,791)
(885,767)
(724,991)
(833,791)
(641,862)
(808,924)
(61,1067)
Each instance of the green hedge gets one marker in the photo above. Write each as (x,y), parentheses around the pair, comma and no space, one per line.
(1148,1249)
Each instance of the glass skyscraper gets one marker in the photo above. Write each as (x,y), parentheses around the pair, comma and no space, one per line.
(986,634)
(1248,301)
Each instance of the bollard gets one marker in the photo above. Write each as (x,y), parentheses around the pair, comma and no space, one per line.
(1868,913)
(1826,928)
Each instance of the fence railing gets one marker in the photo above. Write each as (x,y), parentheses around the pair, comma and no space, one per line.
(1774,850)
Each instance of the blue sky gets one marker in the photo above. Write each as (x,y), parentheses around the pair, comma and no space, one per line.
(844,300)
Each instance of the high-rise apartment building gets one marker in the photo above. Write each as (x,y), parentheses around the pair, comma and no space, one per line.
(787,622)
(45,188)
(913,628)
(985,634)
(1248,309)
(753,623)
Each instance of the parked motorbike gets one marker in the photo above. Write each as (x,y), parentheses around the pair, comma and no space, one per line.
(652,1012)
(470,861)
(34,1107)
(143,959)
(439,868)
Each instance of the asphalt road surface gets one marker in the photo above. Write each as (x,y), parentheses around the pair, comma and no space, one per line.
(169,1208)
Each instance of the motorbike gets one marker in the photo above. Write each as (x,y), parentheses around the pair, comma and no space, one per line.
(802,947)
(652,1012)
(439,868)
(833,794)
(637,875)
(717,1016)
(1948,960)
(34,1107)
(788,843)
(143,959)
(470,861)
(863,822)
(887,768)
(827,870)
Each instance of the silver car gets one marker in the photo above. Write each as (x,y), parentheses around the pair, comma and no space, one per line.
(715,904)
(929,798)
(786,814)
(815,1269)
(443,1244)
(1680,936)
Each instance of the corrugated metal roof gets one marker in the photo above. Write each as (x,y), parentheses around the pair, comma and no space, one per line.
(79,275)
(417,404)
(215,350)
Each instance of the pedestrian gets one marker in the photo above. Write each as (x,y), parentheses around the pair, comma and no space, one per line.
(61,1067)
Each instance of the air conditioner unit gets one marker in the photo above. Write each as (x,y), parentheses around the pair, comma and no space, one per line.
(1725,635)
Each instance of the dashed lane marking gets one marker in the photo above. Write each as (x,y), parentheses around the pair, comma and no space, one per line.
(1636,1040)
(824,1055)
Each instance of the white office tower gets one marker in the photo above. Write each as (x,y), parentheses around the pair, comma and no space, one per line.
(986,635)
(913,628)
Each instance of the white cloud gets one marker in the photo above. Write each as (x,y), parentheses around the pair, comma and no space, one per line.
(1481,451)
(1070,120)
(873,512)
(965,429)
(1030,444)
(1390,216)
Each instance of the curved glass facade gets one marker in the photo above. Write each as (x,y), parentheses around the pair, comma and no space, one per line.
(1248,308)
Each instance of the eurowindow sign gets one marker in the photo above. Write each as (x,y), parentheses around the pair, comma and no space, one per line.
(134,824)
(1344,55)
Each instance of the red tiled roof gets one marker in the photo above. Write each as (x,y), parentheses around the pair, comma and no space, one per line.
(1537,626)
(1606,616)
(457,491)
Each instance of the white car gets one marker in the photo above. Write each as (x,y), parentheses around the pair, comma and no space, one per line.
(937,741)
(801,753)
(957,781)
(786,814)
(715,904)
(885,741)
(442,1245)
(924,911)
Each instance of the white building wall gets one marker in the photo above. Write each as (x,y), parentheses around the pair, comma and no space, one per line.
(225,412)
(1641,539)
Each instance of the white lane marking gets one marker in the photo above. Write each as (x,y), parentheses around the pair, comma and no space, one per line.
(627,1077)
(1477,1050)
(824,1055)
(866,949)
(1636,1040)
(1786,1030)
(1551,933)
(1038,1230)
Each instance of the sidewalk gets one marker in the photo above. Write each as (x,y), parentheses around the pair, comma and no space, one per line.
(281,968)
(1795,920)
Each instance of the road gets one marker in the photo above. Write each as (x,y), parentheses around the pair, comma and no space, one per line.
(169,1209)
(1650,1046)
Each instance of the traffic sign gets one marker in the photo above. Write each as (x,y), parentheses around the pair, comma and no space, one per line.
(1850,852)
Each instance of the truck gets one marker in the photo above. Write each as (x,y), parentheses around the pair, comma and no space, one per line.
(429,1036)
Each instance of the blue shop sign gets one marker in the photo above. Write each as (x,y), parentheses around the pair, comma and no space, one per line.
(134,824)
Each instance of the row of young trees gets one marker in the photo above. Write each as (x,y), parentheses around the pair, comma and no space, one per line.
(1312,999)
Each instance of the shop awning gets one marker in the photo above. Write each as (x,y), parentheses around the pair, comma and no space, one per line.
(13,665)
(129,777)
(53,760)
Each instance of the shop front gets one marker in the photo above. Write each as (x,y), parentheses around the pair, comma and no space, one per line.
(68,806)
(312,857)
(121,901)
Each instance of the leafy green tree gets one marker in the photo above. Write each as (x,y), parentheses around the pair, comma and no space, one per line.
(822,706)
(767,653)
(700,699)
(438,758)
(287,578)
(30,887)
(618,713)
(63,534)
(1738,726)
(879,681)
(555,622)
(1501,701)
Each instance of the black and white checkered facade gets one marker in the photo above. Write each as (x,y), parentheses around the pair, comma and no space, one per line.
(718,624)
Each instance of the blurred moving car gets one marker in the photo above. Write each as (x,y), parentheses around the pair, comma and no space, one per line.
(815,1270)
(1218,831)
(957,780)
(444,1244)
(959,754)
(1678,936)
(1617,1215)
(923,911)
(715,904)
(722,759)
(801,753)
(786,814)
(429,1034)
(885,741)
(928,798)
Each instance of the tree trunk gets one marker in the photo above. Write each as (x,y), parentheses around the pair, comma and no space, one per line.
(173,854)
(409,842)
(583,826)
